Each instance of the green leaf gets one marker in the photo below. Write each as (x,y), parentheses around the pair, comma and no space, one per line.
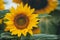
(3,12)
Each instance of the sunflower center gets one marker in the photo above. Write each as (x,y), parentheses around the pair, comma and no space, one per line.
(37,4)
(21,21)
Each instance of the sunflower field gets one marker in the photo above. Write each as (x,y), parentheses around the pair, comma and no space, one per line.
(29,19)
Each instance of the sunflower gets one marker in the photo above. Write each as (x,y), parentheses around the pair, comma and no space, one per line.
(41,6)
(2,5)
(0,21)
(36,31)
(17,1)
(21,20)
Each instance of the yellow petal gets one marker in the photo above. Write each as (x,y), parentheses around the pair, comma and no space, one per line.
(31,33)
(25,32)
(33,16)
(9,23)
(32,10)
(12,10)
(19,34)
(8,16)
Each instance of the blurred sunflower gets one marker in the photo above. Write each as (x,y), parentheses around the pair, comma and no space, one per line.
(0,21)
(21,20)
(17,1)
(36,31)
(41,6)
(2,5)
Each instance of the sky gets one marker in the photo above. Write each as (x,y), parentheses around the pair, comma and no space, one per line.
(9,4)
